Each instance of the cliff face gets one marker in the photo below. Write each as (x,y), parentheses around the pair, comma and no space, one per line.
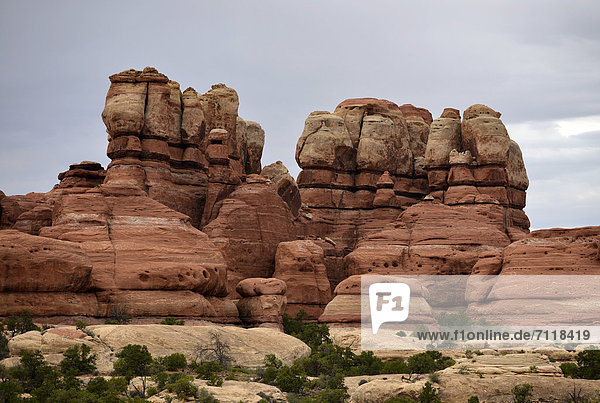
(185,210)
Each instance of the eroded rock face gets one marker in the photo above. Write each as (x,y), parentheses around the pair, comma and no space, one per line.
(251,222)
(301,265)
(159,140)
(475,162)
(343,156)
(284,184)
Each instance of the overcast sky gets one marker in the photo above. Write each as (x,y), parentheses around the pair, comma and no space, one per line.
(537,62)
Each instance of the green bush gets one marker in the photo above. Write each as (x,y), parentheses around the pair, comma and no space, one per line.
(209,368)
(183,387)
(214,380)
(291,379)
(589,364)
(429,394)
(134,360)
(107,388)
(78,361)
(172,321)
(312,334)
(80,325)
(20,324)
(33,371)
(428,361)
(172,362)
(395,367)
(272,365)
(473,399)
(3,346)
(522,393)
(587,367)
(204,396)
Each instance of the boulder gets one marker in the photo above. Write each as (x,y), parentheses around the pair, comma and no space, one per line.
(253,287)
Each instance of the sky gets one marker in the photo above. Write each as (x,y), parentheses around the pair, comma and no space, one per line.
(536,62)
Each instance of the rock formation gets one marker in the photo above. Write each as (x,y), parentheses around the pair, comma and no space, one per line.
(186,221)
(301,265)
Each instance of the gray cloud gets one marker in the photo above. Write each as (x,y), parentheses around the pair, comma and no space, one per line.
(535,61)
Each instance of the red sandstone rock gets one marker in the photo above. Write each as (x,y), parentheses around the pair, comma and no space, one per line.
(253,287)
(34,264)
(262,309)
(250,224)
(301,265)
(284,184)
(430,238)
(136,243)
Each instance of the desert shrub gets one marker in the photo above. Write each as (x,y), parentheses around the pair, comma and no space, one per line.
(291,379)
(589,364)
(214,380)
(217,350)
(33,371)
(434,377)
(429,394)
(272,365)
(20,324)
(587,367)
(134,360)
(395,367)
(428,361)
(3,346)
(209,368)
(473,399)
(522,393)
(312,334)
(107,388)
(204,396)
(183,387)
(171,362)
(172,321)
(80,325)
(119,315)
(78,361)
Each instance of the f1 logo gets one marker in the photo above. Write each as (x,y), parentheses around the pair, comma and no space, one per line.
(389,303)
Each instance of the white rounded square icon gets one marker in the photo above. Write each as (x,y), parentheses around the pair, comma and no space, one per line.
(389,302)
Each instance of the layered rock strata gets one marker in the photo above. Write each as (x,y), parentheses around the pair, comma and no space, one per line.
(160,138)
(343,156)
(301,265)
(474,161)
(262,300)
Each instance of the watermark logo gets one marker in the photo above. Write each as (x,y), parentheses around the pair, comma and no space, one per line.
(389,303)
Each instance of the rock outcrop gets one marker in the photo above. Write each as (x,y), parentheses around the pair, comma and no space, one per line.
(262,300)
(301,265)
(251,222)
(362,165)
(476,162)
(160,140)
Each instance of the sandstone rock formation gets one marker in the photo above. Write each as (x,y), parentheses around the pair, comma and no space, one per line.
(262,300)
(344,155)
(251,222)
(476,162)
(159,140)
(284,184)
(301,265)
